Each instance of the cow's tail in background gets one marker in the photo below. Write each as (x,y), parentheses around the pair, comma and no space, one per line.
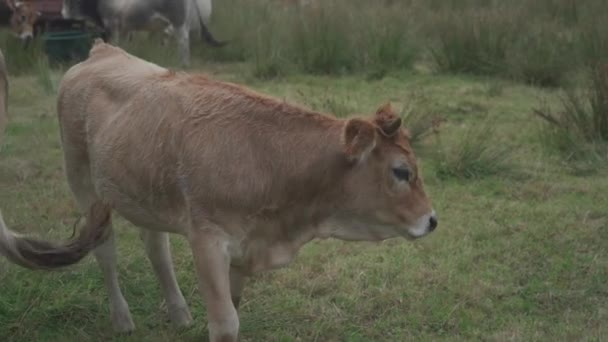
(37,254)
(203,8)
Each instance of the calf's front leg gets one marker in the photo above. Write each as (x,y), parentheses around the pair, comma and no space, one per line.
(212,263)
(237,282)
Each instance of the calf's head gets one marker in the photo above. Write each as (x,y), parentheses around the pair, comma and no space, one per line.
(24,16)
(384,191)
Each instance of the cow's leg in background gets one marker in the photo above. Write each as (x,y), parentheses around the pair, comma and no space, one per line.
(182,34)
(159,253)
(212,263)
(168,32)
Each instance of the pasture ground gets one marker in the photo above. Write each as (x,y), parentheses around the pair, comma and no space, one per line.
(520,254)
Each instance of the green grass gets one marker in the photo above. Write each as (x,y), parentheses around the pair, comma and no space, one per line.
(514,258)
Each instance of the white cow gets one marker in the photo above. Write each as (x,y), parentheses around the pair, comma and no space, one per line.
(119,17)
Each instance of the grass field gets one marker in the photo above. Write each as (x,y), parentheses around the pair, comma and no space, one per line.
(520,254)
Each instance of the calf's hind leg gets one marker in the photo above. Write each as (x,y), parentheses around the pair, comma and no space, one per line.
(79,179)
(119,309)
(159,253)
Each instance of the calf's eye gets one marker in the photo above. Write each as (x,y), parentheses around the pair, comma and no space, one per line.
(402,174)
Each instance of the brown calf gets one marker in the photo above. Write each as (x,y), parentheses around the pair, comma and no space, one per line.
(245,178)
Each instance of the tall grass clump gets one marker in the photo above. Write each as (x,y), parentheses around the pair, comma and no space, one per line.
(543,55)
(567,13)
(419,120)
(593,40)
(269,49)
(45,76)
(352,36)
(268,59)
(349,36)
(331,37)
(473,41)
(322,40)
(389,42)
(476,155)
(580,128)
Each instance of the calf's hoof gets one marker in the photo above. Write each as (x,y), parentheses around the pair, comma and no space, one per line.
(180,316)
(122,323)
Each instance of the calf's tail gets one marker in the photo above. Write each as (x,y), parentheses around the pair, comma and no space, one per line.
(37,254)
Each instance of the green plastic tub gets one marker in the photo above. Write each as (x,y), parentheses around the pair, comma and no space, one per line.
(67,46)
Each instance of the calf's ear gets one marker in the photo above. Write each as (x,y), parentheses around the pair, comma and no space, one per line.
(358,138)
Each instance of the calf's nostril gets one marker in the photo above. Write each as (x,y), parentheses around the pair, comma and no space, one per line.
(433,223)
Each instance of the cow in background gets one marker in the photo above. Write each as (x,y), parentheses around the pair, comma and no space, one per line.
(23,18)
(201,9)
(120,17)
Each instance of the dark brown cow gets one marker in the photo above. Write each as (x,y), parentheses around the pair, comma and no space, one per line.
(245,178)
